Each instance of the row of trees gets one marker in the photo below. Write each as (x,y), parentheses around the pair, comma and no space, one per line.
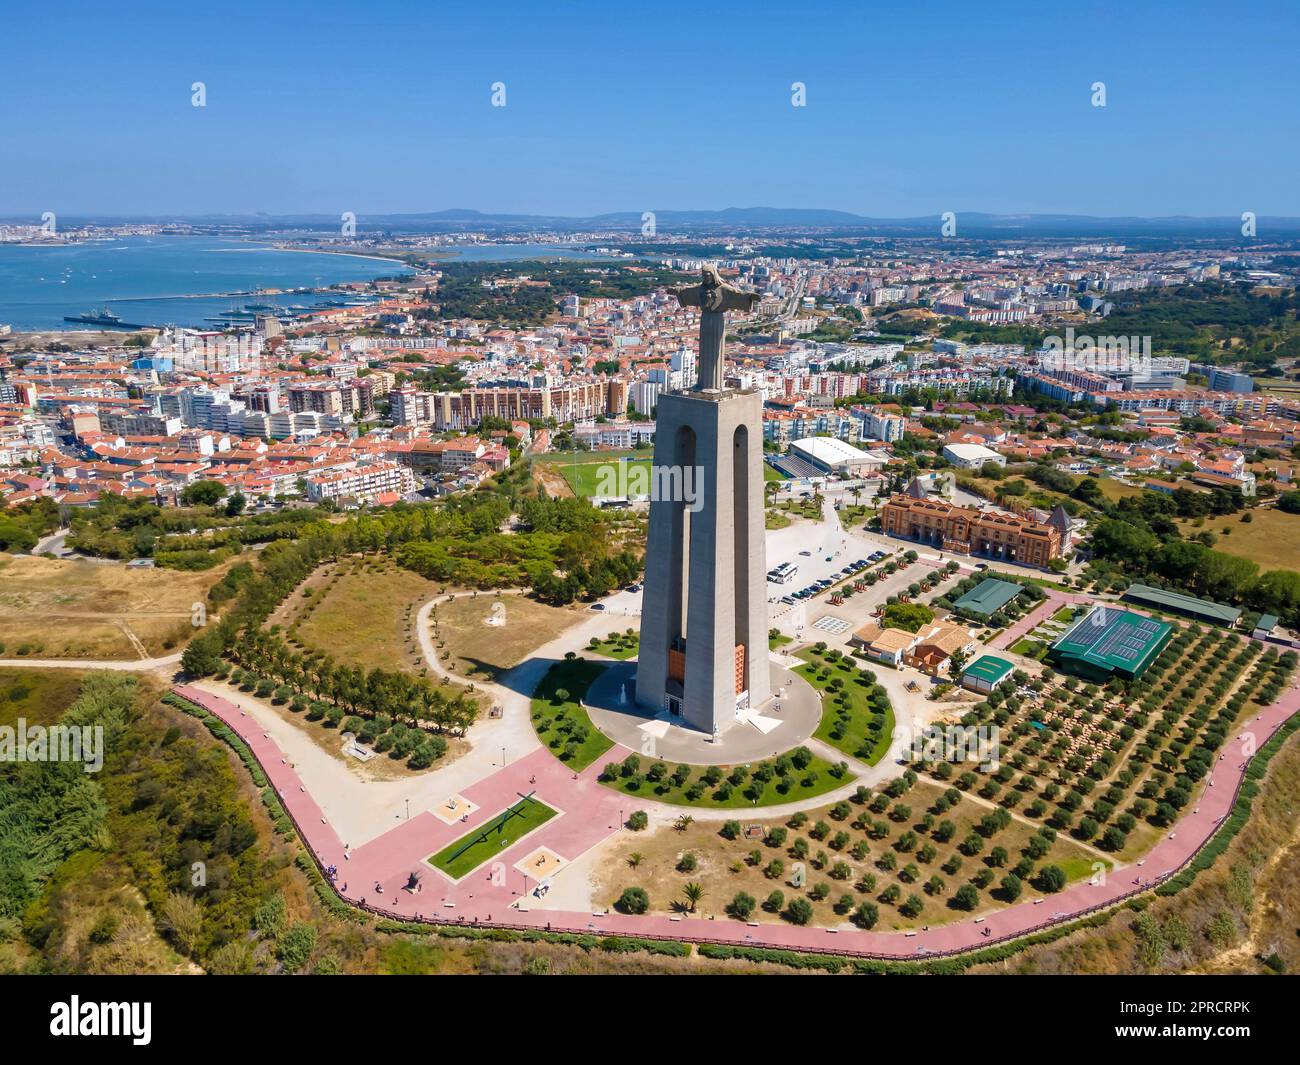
(1141,537)
(401,696)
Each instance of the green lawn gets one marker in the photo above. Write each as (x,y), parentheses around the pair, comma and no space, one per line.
(1079,868)
(779,640)
(787,782)
(490,839)
(583,472)
(769,474)
(1029,648)
(622,646)
(562,724)
(848,724)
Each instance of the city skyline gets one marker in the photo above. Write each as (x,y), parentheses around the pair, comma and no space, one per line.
(949,111)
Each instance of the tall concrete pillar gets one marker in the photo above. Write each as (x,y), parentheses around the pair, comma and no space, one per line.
(705,586)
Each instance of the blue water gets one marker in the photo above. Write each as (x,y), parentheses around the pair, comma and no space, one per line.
(500,253)
(163,280)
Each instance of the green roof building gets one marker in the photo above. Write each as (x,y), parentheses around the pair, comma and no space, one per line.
(987,597)
(1264,626)
(1187,605)
(986,673)
(1107,641)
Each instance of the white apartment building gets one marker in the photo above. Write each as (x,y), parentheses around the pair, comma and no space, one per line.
(362,483)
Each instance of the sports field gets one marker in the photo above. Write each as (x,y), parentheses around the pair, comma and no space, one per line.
(498,834)
(589,479)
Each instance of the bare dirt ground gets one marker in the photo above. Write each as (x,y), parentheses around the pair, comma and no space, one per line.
(552,480)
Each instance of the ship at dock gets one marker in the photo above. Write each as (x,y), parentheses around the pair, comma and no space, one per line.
(104,318)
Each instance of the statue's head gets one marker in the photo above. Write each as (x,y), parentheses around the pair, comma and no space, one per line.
(711,294)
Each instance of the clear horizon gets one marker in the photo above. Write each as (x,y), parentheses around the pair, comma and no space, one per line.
(317,110)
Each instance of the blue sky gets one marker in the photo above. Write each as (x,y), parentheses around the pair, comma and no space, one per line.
(912,108)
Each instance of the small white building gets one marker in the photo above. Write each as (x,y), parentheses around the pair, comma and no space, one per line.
(971,456)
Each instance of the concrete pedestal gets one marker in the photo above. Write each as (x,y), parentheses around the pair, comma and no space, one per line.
(705,584)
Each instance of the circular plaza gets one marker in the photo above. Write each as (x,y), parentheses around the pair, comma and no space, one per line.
(785,721)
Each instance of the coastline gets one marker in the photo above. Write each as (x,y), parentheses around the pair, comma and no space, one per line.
(199,261)
(375,257)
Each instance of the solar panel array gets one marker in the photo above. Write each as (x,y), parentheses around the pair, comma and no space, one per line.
(1113,635)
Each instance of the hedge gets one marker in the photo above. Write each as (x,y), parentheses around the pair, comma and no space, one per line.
(1237,818)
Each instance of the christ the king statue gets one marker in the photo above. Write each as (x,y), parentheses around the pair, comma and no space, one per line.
(714,298)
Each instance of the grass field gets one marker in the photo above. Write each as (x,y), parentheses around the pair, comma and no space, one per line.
(96,609)
(476,647)
(359,615)
(38,695)
(1116,490)
(1039,496)
(561,723)
(586,478)
(1271,537)
(580,470)
(849,731)
(1029,648)
(816,778)
(490,839)
(620,645)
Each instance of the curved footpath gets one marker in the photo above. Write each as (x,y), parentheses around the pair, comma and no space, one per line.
(373,875)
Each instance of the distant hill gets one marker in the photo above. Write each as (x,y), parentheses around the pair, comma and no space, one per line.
(757,220)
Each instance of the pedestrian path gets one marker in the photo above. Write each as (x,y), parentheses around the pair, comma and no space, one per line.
(374,875)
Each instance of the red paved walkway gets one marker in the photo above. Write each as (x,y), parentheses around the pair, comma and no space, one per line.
(590,812)
(1044,610)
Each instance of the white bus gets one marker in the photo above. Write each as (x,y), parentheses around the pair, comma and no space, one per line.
(784,573)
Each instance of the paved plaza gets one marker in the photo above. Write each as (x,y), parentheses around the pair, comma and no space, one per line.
(786,721)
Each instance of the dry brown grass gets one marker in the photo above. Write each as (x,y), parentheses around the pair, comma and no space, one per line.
(480,649)
(724,869)
(362,612)
(1271,537)
(72,608)
(1246,905)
